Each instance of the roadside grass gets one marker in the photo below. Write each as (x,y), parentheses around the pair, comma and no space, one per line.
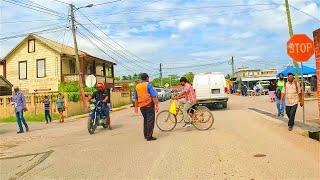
(30,118)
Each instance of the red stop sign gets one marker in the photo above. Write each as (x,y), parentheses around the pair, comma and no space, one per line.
(300,47)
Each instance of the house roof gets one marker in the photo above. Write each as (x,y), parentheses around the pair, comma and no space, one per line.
(6,81)
(62,49)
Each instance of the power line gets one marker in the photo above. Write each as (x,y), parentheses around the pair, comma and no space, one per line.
(30,6)
(24,21)
(106,3)
(86,38)
(49,30)
(60,2)
(108,46)
(199,65)
(187,8)
(313,17)
(140,60)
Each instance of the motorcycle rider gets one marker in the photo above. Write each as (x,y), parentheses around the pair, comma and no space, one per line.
(100,95)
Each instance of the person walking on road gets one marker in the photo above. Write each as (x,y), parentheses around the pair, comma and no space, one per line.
(146,99)
(279,88)
(190,99)
(19,103)
(61,107)
(272,91)
(292,93)
(46,103)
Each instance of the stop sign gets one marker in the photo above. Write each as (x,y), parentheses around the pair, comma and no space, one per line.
(300,47)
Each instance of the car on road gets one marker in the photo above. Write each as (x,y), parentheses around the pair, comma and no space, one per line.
(265,86)
(163,94)
(211,88)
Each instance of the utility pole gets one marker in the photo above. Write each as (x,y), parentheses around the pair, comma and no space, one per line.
(161,74)
(295,64)
(232,64)
(76,52)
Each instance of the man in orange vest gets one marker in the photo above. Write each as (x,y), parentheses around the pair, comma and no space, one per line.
(146,98)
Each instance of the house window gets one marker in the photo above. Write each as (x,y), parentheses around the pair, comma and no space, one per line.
(41,68)
(31,46)
(109,71)
(23,70)
(72,66)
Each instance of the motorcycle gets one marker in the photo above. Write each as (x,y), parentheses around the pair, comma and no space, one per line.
(96,116)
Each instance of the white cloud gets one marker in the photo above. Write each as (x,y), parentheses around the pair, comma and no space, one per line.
(244,35)
(185,25)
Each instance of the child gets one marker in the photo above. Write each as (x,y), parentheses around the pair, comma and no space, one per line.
(60,107)
(46,103)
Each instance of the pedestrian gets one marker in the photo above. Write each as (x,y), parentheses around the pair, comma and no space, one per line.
(279,88)
(293,94)
(60,106)
(146,99)
(313,83)
(19,103)
(272,91)
(46,103)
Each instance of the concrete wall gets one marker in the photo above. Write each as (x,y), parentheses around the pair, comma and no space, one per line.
(52,68)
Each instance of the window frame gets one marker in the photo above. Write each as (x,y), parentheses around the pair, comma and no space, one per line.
(20,62)
(44,64)
(34,45)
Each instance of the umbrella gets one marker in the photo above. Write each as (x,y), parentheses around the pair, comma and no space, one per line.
(306,71)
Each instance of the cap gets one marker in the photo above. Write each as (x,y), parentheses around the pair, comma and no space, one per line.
(290,74)
(144,76)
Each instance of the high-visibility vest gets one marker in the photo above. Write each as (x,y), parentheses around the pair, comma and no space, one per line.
(144,98)
(280,84)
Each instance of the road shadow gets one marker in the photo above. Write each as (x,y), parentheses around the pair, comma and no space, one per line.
(216,107)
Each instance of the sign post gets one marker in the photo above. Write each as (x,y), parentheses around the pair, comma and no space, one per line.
(316,36)
(300,49)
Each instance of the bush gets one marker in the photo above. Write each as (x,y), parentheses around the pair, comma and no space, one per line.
(87,89)
(72,86)
(74,96)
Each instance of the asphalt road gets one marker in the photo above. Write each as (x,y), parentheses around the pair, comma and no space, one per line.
(241,145)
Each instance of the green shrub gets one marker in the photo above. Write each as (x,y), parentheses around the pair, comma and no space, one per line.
(74,96)
(72,86)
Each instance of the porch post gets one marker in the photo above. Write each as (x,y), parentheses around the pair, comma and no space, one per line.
(4,69)
(112,72)
(104,73)
(94,68)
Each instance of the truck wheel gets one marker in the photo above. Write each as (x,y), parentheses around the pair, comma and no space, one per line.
(225,105)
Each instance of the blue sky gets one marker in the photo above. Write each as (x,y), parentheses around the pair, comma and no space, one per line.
(176,33)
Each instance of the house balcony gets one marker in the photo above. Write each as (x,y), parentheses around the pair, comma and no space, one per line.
(75,77)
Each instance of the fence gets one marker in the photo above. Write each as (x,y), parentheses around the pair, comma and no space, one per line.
(35,104)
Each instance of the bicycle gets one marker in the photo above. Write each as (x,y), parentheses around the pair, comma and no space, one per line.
(200,117)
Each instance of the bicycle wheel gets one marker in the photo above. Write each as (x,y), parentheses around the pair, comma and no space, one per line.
(203,118)
(179,116)
(166,121)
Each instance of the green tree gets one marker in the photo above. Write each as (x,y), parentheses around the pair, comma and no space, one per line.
(117,78)
(124,78)
(189,76)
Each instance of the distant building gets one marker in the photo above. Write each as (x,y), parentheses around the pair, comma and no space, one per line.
(250,77)
(246,72)
(39,64)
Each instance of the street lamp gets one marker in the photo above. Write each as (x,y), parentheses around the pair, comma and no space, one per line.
(87,6)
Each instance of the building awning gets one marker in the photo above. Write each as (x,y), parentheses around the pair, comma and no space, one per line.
(259,78)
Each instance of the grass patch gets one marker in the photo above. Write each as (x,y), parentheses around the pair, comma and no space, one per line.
(30,118)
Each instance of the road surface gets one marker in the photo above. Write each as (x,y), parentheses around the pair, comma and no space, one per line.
(241,145)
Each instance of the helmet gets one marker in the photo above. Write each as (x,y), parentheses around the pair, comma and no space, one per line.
(99,86)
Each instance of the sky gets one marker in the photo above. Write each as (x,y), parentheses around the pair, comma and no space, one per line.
(183,35)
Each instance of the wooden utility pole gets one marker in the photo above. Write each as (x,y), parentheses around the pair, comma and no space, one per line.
(295,64)
(76,52)
(161,74)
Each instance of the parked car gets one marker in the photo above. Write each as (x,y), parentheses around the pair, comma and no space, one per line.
(265,86)
(211,88)
(163,94)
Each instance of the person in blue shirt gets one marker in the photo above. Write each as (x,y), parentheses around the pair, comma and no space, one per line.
(19,103)
(146,99)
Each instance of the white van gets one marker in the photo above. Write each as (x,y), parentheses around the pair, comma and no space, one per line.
(211,88)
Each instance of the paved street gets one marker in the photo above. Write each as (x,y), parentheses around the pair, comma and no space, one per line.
(241,145)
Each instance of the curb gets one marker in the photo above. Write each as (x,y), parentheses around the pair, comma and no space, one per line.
(299,128)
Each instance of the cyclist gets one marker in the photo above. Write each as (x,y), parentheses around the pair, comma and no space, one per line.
(189,100)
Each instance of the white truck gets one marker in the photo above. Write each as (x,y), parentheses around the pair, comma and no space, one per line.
(211,88)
